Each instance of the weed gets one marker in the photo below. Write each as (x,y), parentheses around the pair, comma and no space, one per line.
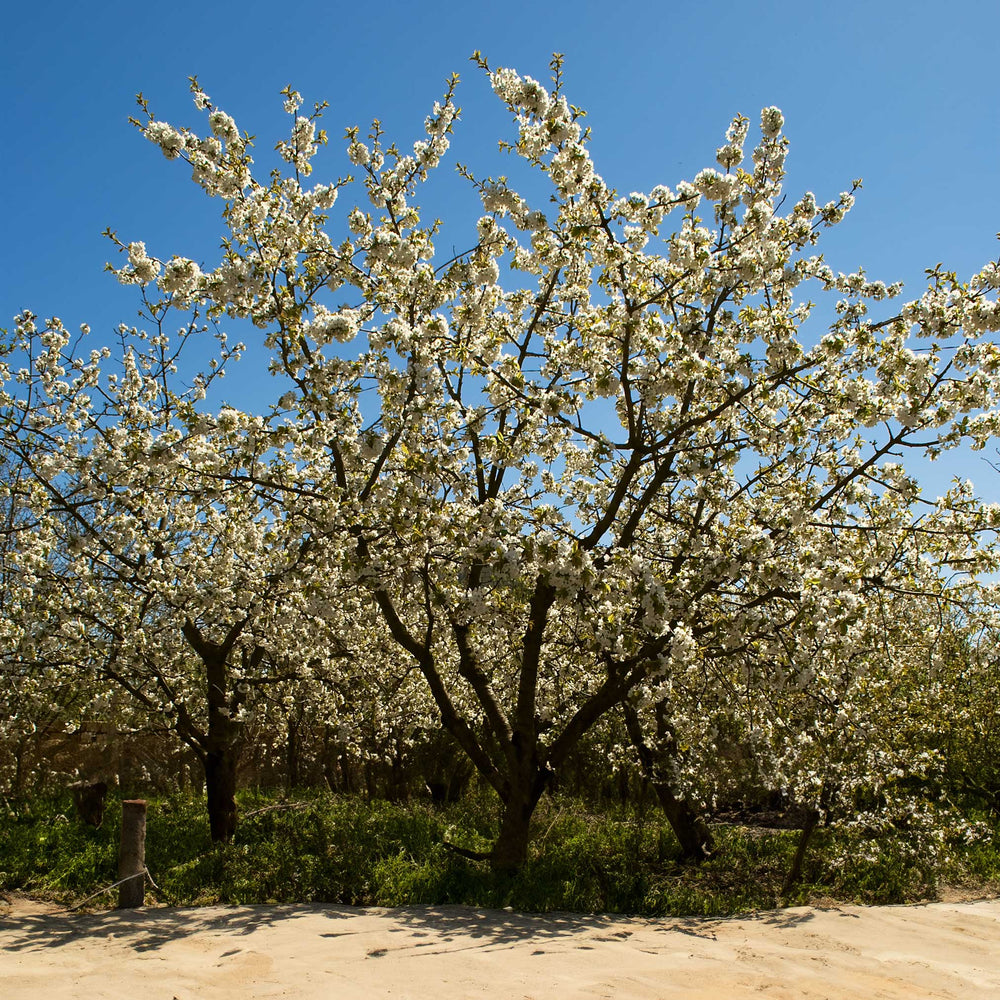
(347,850)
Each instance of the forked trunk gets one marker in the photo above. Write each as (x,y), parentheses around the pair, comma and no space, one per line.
(219,746)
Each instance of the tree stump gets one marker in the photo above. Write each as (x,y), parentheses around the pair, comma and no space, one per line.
(132,854)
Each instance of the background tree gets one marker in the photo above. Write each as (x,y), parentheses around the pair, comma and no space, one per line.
(136,574)
(821,689)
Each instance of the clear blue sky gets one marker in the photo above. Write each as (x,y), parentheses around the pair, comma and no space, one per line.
(902,93)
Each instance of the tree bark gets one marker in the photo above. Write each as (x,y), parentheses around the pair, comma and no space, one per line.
(88,798)
(529,777)
(510,851)
(292,778)
(795,872)
(218,747)
(220,787)
(689,827)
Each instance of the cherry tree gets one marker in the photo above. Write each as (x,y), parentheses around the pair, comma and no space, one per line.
(966,735)
(541,466)
(833,695)
(133,575)
(35,705)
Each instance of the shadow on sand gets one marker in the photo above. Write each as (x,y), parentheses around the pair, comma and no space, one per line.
(445,928)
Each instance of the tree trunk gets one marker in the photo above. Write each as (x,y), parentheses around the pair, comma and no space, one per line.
(528,780)
(334,767)
(510,852)
(20,749)
(220,746)
(292,779)
(689,827)
(795,872)
(220,785)
(396,787)
(88,798)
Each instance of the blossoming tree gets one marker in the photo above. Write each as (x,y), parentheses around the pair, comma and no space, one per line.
(830,694)
(131,573)
(538,466)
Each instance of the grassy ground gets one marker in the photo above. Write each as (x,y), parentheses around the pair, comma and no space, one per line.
(321,848)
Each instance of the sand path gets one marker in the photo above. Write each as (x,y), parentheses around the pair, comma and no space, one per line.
(941,950)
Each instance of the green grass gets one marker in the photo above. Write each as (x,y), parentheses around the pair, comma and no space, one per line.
(323,848)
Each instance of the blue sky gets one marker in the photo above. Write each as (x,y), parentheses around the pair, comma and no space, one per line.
(903,94)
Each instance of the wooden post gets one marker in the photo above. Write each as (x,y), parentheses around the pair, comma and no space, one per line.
(132,854)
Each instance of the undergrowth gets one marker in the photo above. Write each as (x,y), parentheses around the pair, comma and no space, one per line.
(347,850)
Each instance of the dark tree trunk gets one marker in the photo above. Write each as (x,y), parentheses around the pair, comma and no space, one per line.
(795,872)
(689,827)
(529,778)
(292,777)
(334,770)
(510,851)
(220,785)
(221,743)
(218,747)
(88,798)
(396,782)
(20,751)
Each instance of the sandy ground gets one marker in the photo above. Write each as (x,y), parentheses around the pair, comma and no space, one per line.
(940,950)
